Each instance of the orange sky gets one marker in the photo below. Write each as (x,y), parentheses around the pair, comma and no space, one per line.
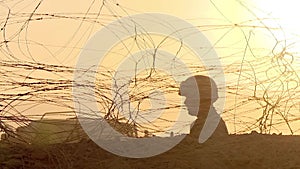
(59,38)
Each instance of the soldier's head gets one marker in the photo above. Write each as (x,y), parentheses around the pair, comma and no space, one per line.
(200,92)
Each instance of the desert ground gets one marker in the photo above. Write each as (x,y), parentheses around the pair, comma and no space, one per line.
(229,152)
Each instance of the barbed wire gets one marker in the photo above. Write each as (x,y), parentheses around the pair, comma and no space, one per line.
(37,78)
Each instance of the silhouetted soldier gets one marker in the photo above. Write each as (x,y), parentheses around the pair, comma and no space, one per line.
(201,92)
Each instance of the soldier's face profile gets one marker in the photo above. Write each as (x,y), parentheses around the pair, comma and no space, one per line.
(197,92)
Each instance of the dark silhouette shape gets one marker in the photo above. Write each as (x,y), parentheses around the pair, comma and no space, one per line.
(200,92)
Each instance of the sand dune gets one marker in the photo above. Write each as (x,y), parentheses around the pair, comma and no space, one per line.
(229,152)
